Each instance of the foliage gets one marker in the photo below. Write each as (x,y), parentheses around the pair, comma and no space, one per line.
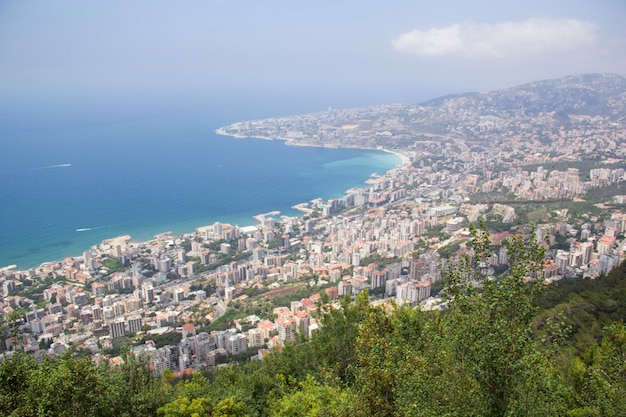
(312,399)
(184,407)
(599,376)
(602,194)
(335,345)
(587,307)
(67,386)
(381,261)
(304,291)
(225,321)
(113,265)
(503,347)
(160,340)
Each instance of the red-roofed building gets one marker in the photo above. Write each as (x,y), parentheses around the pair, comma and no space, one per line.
(605,244)
(332,292)
(267,327)
(189,330)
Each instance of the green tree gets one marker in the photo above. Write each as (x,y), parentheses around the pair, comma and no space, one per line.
(478,357)
(15,380)
(599,378)
(184,407)
(312,399)
(335,343)
(67,387)
(229,407)
(374,372)
(131,391)
(489,326)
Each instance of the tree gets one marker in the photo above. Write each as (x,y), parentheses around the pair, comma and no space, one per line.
(15,379)
(184,407)
(67,387)
(311,399)
(476,358)
(599,378)
(132,391)
(489,328)
(374,373)
(229,407)
(15,319)
(335,343)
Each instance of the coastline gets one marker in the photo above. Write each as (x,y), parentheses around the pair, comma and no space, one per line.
(404,159)
(252,220)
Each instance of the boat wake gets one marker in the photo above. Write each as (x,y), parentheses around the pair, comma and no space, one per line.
(54,166)
(87,229)
(22,170)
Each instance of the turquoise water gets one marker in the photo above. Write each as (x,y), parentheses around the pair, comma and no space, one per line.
(67,184)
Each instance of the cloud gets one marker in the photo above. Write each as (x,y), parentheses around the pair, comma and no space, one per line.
(528,38)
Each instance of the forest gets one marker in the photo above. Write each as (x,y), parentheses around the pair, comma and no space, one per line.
(511,346)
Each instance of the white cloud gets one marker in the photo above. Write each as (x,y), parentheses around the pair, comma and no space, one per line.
(500,40)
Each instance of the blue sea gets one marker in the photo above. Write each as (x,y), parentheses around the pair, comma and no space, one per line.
(72,177)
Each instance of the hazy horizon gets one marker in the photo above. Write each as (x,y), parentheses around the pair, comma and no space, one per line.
(292,56)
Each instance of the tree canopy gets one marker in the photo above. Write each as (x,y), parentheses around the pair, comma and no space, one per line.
(502,347)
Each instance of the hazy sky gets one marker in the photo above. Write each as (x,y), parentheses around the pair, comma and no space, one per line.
(374,51)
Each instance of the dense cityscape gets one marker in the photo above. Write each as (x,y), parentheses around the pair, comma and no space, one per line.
(545,158)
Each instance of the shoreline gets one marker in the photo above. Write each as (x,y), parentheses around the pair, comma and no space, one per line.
(404,159)
(253,220)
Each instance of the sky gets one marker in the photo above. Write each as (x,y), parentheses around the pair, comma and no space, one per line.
(317,54)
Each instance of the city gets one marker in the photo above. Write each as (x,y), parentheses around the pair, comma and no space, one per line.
(546,158)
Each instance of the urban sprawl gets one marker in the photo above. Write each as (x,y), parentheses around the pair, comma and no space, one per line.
(546,157)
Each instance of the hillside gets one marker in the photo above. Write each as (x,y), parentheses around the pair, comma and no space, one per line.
(482,356)
(559,106)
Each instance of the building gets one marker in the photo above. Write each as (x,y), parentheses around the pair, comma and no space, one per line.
(236,344)
(255,338)
(286,329)
(133,323)
(117,329)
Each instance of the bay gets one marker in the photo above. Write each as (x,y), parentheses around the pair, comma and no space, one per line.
(67,185)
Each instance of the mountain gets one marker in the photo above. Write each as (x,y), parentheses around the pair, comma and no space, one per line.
(587,94)
(555,108)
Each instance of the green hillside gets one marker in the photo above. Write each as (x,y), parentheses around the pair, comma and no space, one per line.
(511,347)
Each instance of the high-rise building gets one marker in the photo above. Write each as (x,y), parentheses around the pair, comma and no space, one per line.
(117,329)
(147,293)
(217,229)
(236,344)
(286,329)
(133,323)
(419,268)
(255,337)
(96,310)
(179,294)
(226,249)
(119,309)
(87,258)
(587,250)
(165,264)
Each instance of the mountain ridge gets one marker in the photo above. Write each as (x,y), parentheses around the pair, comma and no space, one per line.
(544,108)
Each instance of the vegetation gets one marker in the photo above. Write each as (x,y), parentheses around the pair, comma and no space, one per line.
(510,346)
(113,265)
(160,340)
(381,261)
(602,194)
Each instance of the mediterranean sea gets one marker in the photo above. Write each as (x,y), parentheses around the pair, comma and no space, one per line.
(67,183)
